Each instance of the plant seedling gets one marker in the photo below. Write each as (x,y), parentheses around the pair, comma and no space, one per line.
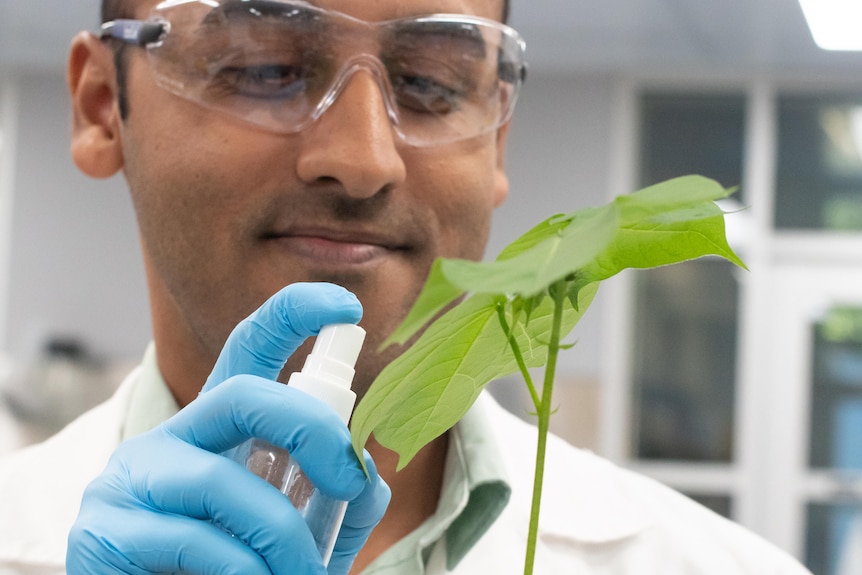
(512,314)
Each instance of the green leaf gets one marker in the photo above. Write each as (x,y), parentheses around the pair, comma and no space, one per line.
(528,305)
(428,389)
(657,231)
(436,295)
(545,254)
(433,383)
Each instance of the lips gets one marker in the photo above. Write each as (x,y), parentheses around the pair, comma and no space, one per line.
(324,246)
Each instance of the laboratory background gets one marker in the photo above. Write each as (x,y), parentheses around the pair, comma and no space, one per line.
(742,389)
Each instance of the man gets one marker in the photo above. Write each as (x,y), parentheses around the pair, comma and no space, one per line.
(345,143)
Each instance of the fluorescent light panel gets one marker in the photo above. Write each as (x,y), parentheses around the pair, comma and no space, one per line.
(835,24)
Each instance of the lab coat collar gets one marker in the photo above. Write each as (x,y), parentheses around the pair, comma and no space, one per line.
(585,498)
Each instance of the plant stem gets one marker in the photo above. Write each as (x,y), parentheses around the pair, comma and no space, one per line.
(544,414)
(519,357)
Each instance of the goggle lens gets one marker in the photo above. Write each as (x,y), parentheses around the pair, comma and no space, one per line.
(279,65)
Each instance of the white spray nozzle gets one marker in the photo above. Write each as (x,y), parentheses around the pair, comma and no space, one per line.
(328,370)
(335,352)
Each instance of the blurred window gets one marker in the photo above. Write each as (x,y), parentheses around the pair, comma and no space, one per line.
(833,532)
(836,396)
(834,443)
(686,324)
(819,177)
(685,334)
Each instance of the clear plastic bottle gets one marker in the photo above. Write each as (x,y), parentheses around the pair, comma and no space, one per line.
(327,375)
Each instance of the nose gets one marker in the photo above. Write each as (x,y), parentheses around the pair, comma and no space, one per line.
(352,142)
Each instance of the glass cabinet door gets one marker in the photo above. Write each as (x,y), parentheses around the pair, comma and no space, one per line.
(836,390)
(835,440)
(817,364)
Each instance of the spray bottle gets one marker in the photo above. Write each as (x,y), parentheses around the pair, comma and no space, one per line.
(326,375)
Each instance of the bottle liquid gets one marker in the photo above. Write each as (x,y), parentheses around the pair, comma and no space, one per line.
(326,375)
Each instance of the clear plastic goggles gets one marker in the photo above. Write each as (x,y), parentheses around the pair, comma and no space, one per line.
(280,64)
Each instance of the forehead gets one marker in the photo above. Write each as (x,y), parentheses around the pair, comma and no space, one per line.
(374,10)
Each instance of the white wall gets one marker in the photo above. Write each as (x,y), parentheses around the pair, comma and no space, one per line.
(559,161)
(8,141)
(75,267)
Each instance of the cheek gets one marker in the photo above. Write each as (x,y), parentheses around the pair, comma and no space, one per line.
(206,179)
(168,181)
(465,231)
(188,206)
(461,193)
(203,154)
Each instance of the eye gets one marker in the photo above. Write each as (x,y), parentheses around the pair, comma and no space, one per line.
(276,81)
(423,94)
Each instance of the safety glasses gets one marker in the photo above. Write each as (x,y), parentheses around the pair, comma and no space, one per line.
(280,64)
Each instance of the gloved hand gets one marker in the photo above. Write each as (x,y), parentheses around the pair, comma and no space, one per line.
(167,502)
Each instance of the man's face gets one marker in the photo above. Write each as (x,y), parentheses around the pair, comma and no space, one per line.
(229,213)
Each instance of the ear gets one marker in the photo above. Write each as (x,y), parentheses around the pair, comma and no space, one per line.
(501,180)
(96,145)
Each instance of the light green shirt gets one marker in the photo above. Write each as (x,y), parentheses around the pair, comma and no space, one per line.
(473,495)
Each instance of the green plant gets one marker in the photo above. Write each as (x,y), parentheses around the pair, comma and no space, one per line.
(518,309)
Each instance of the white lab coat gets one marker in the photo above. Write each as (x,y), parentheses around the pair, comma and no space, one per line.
(596,518)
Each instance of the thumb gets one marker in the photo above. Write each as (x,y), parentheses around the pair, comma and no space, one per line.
(260,344)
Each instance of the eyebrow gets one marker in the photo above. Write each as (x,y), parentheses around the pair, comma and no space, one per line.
(464,32)
(308,14)
(297,12)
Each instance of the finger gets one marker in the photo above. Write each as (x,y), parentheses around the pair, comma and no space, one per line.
(247,406)
(140,542)
(215,494)
(261,343)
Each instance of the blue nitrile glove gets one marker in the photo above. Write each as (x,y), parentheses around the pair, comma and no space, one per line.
(167,502)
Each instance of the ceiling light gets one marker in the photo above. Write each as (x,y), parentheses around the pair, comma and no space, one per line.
(834,24)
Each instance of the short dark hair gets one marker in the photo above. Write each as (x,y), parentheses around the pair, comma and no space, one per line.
(115,9)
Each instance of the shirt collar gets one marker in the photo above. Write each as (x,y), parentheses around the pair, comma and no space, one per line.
(151,401)
(475,491)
